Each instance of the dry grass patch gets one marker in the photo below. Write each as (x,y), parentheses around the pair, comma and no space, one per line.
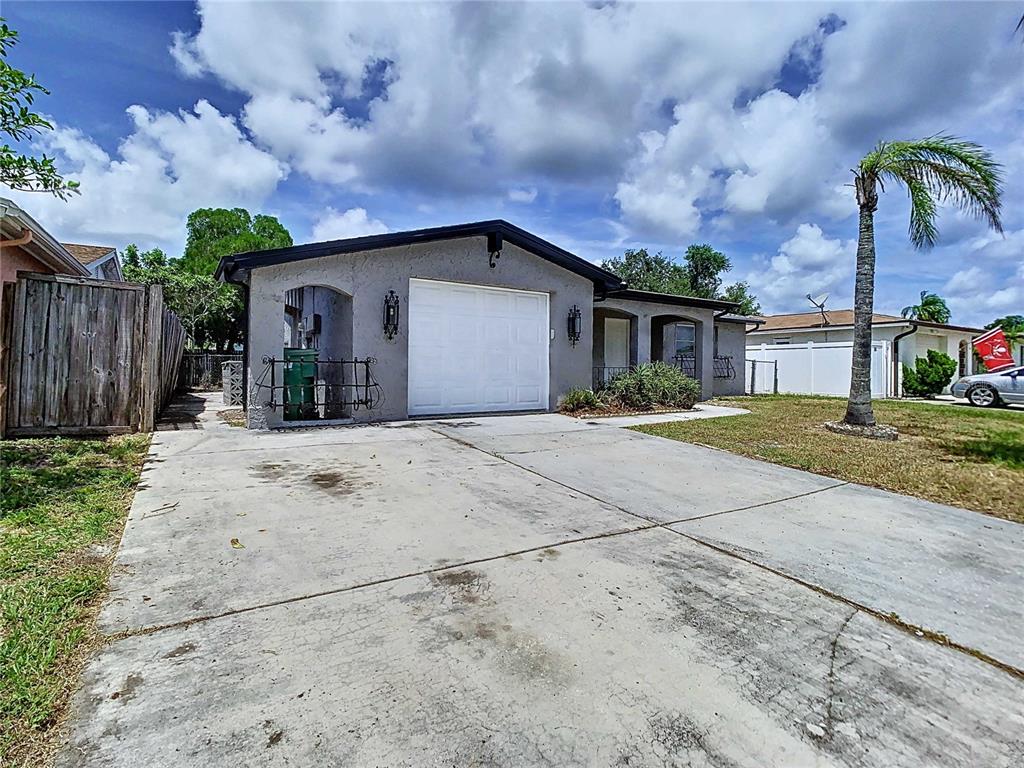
(955,455)
(62,509)
(233,417)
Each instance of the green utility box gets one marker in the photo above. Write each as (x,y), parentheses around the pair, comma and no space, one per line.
(300,383)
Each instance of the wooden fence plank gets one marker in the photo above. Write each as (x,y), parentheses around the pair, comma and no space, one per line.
(59,351)
(122,341)
(34,349)
(138,349)
(151,357)
(17,336)
(6,331)
(75,411)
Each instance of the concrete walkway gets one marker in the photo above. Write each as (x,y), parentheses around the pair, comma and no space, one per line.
(539,590)
(698,412)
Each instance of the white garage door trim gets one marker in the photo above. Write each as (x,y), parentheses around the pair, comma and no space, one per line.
(476,348)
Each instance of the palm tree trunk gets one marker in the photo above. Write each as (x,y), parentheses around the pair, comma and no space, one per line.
(858,408)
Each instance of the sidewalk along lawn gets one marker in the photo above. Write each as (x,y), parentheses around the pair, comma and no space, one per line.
(63,504)
(966,457)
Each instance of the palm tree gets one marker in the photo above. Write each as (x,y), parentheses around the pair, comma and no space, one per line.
(934,170)
(932,309)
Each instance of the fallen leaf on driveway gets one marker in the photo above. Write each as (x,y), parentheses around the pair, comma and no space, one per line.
(237,544)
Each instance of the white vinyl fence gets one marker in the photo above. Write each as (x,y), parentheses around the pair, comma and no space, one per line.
(823,368)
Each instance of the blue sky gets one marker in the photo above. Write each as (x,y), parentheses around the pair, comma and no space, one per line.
(600,128)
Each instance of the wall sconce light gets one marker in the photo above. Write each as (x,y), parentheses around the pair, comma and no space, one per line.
(390,318)
(575,324)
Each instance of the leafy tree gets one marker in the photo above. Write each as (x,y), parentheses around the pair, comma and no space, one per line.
(206,307)
(703,270)
(699,275)
(929,375)
(645,272)
(740,293)
(211,311)
(933,170)
(932,309)
(217,232)
(18,122)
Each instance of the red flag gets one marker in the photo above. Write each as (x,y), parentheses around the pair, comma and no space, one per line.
(994,349)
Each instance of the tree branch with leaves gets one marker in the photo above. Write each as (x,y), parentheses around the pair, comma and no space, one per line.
(19,123)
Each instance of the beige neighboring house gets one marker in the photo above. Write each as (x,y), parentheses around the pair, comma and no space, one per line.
(26,247)
(102,261)
(814,349)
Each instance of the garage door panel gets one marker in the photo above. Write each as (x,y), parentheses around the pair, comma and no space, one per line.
(475,348)
(498,397)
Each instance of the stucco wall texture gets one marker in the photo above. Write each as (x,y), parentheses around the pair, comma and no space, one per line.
(367,276)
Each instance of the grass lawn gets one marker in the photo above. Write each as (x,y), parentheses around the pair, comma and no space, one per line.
(967,457)
(62,509)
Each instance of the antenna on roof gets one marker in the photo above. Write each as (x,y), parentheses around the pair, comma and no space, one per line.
(819,302)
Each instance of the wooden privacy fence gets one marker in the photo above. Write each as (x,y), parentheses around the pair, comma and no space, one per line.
(86,356)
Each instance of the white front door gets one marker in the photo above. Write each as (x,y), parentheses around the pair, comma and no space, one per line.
(474,348)
(616,342)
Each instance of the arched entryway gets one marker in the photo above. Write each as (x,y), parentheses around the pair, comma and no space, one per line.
(679,340)
(615,343)
(317,371)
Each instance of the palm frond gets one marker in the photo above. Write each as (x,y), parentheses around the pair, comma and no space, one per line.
(940,169)
(923,210)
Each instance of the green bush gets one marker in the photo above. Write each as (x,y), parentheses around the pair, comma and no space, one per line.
(651,384)
(929,375)
(579,399)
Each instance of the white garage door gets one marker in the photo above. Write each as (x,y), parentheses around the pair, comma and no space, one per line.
(475,349)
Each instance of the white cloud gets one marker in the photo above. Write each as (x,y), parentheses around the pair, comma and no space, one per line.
(686,122)
(527,88)
(807,263)
(992,284)
(338,225)
(523,195)
(169,165)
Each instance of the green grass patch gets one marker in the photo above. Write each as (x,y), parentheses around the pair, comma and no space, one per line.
(967,457)
(62,510)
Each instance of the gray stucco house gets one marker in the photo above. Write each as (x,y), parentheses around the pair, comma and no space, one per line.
(474,318)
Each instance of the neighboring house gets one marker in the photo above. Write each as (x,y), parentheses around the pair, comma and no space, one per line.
(26,247)
(814,350)
(102,261)
(474,318)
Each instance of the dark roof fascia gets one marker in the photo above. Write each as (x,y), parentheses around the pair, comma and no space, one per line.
(513,234)
(739,319)
(631,294)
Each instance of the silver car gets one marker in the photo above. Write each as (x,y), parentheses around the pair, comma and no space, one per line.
(988,389)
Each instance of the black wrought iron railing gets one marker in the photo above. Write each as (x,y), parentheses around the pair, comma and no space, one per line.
(319,389)
(723,367)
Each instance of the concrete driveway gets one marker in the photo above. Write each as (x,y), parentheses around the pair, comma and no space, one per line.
(536,590)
